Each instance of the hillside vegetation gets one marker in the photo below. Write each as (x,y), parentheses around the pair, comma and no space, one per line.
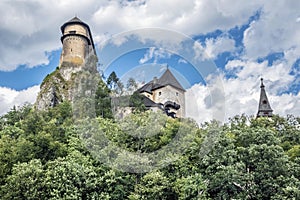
(43,156)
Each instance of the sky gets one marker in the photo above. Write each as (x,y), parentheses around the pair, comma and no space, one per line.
(217,49)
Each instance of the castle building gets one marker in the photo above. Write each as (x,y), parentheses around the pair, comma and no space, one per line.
(264,108)
(165,93)
(77,42)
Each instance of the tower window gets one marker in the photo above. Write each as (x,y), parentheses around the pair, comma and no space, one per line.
(159,93)
(176,93)
(72,32)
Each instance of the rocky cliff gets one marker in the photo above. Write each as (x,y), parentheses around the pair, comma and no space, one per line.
(67,81)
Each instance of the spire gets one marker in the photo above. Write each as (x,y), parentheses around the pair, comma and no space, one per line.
(264,108)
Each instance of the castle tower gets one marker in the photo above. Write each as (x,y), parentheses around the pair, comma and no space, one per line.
(264,108)
(77,42)
(78,50)
(167,92)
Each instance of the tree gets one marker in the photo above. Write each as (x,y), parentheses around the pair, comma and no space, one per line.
(137,102)
(103,105)
(115,84)
(25,182)
(248,162)
(72,177)
(112,80)
(192,187)
(153,185)
(131,85)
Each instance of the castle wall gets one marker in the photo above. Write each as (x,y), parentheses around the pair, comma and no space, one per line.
(169,93)
(78,28)
(75,49)
(150,96)
(75,46)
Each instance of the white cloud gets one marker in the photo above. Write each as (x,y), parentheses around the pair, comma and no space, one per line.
(240,98)
(27,31)
(219,45)
(195,103)
(10,97)
(156,54)
(213,47)
(242,92)
(148,56)
(30,28)
(277,30)
(180,60)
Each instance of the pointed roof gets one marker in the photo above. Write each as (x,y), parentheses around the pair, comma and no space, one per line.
(147,87)
(264,108)
(166,79)
(169,79)
(75,19)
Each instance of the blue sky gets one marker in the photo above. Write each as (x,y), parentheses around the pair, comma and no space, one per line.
(218,50)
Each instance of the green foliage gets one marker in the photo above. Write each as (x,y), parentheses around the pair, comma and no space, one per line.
(25,182)
(112,80)
(248,162)
(103,106)
(153,185)
(72,177)
(192,187)
(143,131)
(44,155)
(131,85)
(137,103)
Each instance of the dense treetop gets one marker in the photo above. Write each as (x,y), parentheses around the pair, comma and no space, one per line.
(43,155)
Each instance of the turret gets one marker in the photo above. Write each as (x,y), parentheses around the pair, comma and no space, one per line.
(264,108)
(77,42)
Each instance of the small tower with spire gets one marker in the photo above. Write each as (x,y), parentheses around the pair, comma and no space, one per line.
(264,108)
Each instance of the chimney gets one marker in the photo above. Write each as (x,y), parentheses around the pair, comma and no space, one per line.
(155,80)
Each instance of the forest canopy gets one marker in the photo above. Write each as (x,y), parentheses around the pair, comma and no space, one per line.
(42,156)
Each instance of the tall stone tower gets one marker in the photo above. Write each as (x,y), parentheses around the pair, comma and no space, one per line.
(264,108)
(78,54)
(77,42)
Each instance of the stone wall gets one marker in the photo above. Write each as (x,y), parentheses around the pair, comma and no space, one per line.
(76,45)
(169,93)
(78,28)
(74,49)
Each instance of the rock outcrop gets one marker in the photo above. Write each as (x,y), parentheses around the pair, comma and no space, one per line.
(65,83)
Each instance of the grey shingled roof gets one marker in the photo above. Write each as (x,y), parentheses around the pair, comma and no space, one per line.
(166,79)
(75,19)
(146,88)
(169,79)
